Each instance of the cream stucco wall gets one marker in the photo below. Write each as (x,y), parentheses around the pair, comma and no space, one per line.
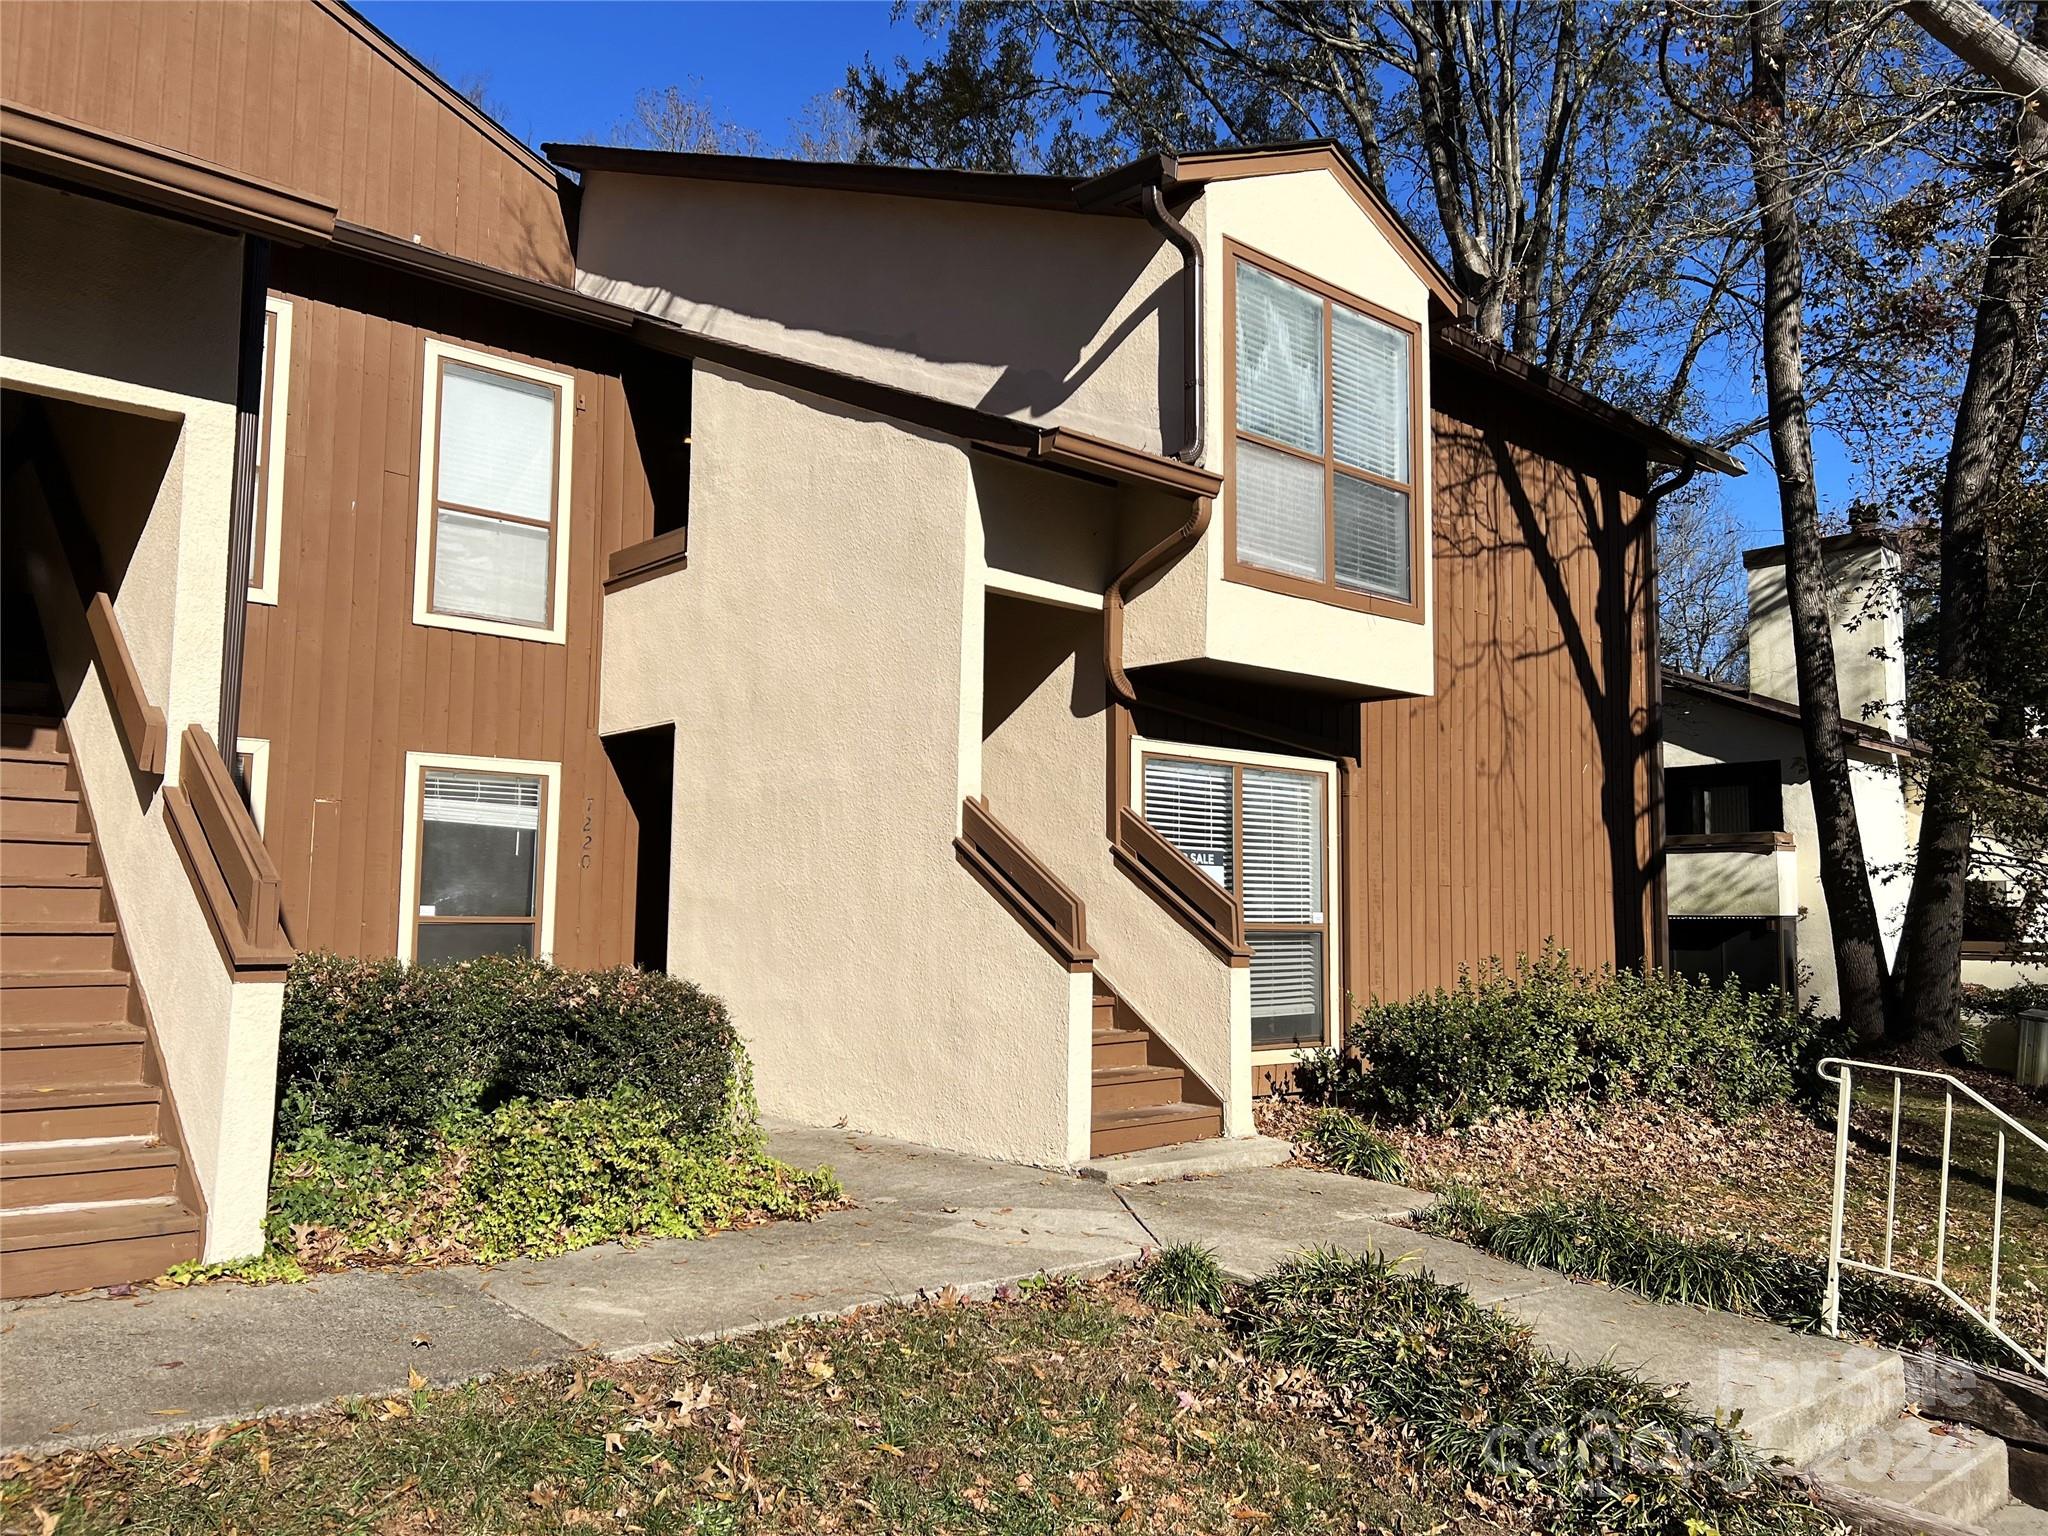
(1309,221)
(1050,317)
(1867,627)
(821,658)
(138,316)
(1699,730)
(1724,882)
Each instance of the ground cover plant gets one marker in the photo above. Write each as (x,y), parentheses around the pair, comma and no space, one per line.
(1062,1408)
(1546,1033)
(503,1107)
(1575,1449)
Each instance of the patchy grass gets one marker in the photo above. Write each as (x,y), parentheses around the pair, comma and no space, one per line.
(1766,1179)
(1073,1408)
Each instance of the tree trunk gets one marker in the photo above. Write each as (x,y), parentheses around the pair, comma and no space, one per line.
(1860,968)
(1987,45)
(1986,435)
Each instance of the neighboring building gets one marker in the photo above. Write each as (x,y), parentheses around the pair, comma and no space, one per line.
(1036,646)
(1742,845)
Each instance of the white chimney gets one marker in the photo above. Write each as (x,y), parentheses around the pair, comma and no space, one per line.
(1865,617)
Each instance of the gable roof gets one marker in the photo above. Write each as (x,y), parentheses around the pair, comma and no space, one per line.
(1112,193)
(1855,733)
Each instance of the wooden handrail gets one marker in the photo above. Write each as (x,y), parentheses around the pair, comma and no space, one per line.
(141,723)
(1041,900)
(1213,912)
(231,869)
(650,557)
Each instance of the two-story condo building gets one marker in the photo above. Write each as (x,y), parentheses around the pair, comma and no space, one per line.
(1037,647)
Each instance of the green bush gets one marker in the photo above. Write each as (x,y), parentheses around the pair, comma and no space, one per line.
(1350,1146)
(1577,1450)
(528,1178)
(375,1050)
(1548,1033)
(1596,1239)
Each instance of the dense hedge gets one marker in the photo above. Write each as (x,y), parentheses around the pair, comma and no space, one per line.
(1547,1033)
(374,1050)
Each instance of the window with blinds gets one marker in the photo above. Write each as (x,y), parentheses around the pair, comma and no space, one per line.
(1262,831)
(496,483)
(479,865)
(1323,472)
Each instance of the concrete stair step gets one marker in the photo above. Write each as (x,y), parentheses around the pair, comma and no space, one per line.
(1191,1160)
(1938,1470)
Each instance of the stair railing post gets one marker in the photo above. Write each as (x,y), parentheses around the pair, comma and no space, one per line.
(1831,1304)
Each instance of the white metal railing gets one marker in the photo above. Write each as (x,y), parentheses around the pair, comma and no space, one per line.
(2007,1127)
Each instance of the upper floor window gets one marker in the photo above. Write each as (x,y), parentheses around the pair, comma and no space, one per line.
(494,490)
(1723,800)
(1324,443)
(265,536)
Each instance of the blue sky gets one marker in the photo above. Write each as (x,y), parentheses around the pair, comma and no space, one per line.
(569,71)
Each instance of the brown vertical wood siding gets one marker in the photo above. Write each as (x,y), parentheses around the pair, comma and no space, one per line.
(342,682)
(1513,807)
(295,93)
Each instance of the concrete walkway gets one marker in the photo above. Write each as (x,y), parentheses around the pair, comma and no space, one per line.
(75,1372)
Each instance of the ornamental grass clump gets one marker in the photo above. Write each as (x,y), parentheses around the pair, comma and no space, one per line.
(1573,1449)
(1346,1143)
(1546,1034)
(1183,1277)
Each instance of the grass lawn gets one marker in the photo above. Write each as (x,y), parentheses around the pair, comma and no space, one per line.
(1769,1179)
(1073,1408)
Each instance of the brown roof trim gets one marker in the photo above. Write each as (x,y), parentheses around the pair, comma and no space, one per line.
(54,146)
(1833,544)
(1497,362)
(413,256)
(1007,189)
(373,35)
(1326,155)
(1854,732)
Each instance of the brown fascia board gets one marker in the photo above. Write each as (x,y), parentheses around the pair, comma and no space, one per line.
(46,144)
(1855,731)
(1497,362)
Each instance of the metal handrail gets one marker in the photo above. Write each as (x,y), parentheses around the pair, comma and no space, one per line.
(1831,1306)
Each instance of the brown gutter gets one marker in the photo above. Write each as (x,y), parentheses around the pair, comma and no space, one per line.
(31,140)
(1177,234)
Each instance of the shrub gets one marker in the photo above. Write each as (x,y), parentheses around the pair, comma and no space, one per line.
(1183,1277)
(1547,1033)
(1595,1239)
(375,1050)
(1350,1146)
(526,1179)
(1580,1450)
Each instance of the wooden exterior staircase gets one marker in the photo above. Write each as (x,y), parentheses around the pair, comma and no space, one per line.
(1143,1096)
(94,1185)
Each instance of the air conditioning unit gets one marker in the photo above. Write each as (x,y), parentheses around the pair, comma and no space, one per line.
(2031,1066)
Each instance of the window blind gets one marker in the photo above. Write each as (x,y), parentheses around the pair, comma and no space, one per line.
(481,799)
(1283,847)
(1369,393)
(1287,988)
(1190,805)
(1372,537)
(1280,512)
(497,443)
(489,568)
(1279,360)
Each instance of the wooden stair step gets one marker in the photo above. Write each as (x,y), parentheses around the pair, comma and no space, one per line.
(1112,1132)
(1137,1087)
(37,1034)
(100,1245)
(78,1111)
(27,775)
(34,1175)
(45,1053)
(51,898)
(32,734)
(47,946)
(1122,1048)
(36,851)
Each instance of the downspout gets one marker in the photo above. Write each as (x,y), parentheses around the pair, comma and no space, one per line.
(242,506)
(1657,944)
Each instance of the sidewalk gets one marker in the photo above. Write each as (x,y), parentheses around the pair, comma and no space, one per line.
(92,1369)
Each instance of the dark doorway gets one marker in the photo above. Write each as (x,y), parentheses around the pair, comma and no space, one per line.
(645,762)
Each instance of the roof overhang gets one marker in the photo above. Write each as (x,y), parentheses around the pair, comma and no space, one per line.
(1854,732)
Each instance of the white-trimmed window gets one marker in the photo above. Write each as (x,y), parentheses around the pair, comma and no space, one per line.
(493,546)
(476,872)
(1261,825)
(252,755)
(266,541)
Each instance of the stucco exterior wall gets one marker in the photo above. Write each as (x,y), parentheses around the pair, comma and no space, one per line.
(1726,882)
(1044,770)
(1703,731)
(1308,220)
(1867,628)
(127,312)
(821,660)
(1055,318)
